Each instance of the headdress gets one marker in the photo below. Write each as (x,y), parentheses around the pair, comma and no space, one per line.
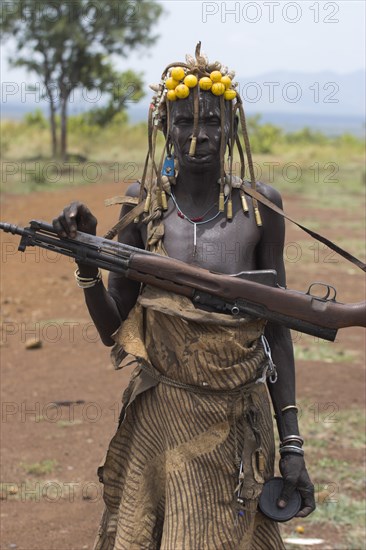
(178,81)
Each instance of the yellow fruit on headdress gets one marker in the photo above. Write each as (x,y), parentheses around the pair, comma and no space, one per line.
(190,80)
(182,91)
(171,84)
(205,83)
(171,95)
(229,94)
(218,88)
(216,76)
(177,73)
(226,80)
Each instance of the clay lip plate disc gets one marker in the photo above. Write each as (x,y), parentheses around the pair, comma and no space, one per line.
(268,501)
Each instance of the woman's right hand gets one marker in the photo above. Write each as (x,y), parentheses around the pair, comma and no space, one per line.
(73,218)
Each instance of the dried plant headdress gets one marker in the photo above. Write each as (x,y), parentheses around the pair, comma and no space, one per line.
(180,79)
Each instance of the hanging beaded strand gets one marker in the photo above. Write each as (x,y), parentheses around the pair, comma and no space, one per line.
(198,220)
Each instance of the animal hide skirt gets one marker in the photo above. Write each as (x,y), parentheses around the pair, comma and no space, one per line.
(195,418)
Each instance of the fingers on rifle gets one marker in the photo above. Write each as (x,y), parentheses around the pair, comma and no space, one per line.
(86,221)
(72,210)
(66,223)
(59,227)
(71,214)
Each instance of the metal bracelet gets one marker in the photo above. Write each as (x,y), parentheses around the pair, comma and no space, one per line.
(291,449)
(87,282)
(291,442)
(292,438)
(288,408)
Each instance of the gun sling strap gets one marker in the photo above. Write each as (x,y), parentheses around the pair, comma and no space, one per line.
(138,210)
(261,198)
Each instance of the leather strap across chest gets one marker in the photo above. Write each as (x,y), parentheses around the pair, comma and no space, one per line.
(137,211)
(262,199)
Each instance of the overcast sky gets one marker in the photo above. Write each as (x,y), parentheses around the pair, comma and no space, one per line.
(257,37)
(252,37)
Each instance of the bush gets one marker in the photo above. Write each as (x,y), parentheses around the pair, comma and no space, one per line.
(308,136)
(36,118)
(263,137)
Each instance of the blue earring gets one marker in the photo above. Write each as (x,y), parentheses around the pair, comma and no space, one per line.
(168,166)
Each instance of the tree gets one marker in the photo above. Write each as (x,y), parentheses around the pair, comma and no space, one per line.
(67,43)
(121,88)
(263,137)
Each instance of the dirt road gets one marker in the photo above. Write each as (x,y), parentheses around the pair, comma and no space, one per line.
(60,402)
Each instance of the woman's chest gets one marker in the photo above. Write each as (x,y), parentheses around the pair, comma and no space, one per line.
(216,244)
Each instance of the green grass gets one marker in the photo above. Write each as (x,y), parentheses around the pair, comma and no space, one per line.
(310,348)
(346,517)
(327,464)
(332,174)
(329,354)
(327,424)
(346,511)
(334,446)
(40,468)
(42,174)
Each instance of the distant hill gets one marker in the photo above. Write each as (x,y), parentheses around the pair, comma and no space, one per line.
(328,125)
(325,101)
(324,93)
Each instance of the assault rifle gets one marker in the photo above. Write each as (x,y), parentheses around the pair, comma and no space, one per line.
(243,294)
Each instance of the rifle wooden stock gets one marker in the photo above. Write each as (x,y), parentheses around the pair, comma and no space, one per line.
(302,311)
(186,279)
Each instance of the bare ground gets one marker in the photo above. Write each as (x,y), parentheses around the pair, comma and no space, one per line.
(51,498)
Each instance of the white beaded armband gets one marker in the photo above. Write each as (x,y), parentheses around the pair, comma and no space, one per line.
(87,282)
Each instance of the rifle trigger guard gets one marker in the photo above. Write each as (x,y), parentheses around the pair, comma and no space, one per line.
(329,290)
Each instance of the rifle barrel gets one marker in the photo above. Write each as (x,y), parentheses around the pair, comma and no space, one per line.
(291,303)
(11,228)
(185,279)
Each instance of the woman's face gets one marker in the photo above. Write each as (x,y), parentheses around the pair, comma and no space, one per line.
(207,152)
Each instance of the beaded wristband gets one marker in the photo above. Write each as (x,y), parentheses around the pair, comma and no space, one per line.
(87,282)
